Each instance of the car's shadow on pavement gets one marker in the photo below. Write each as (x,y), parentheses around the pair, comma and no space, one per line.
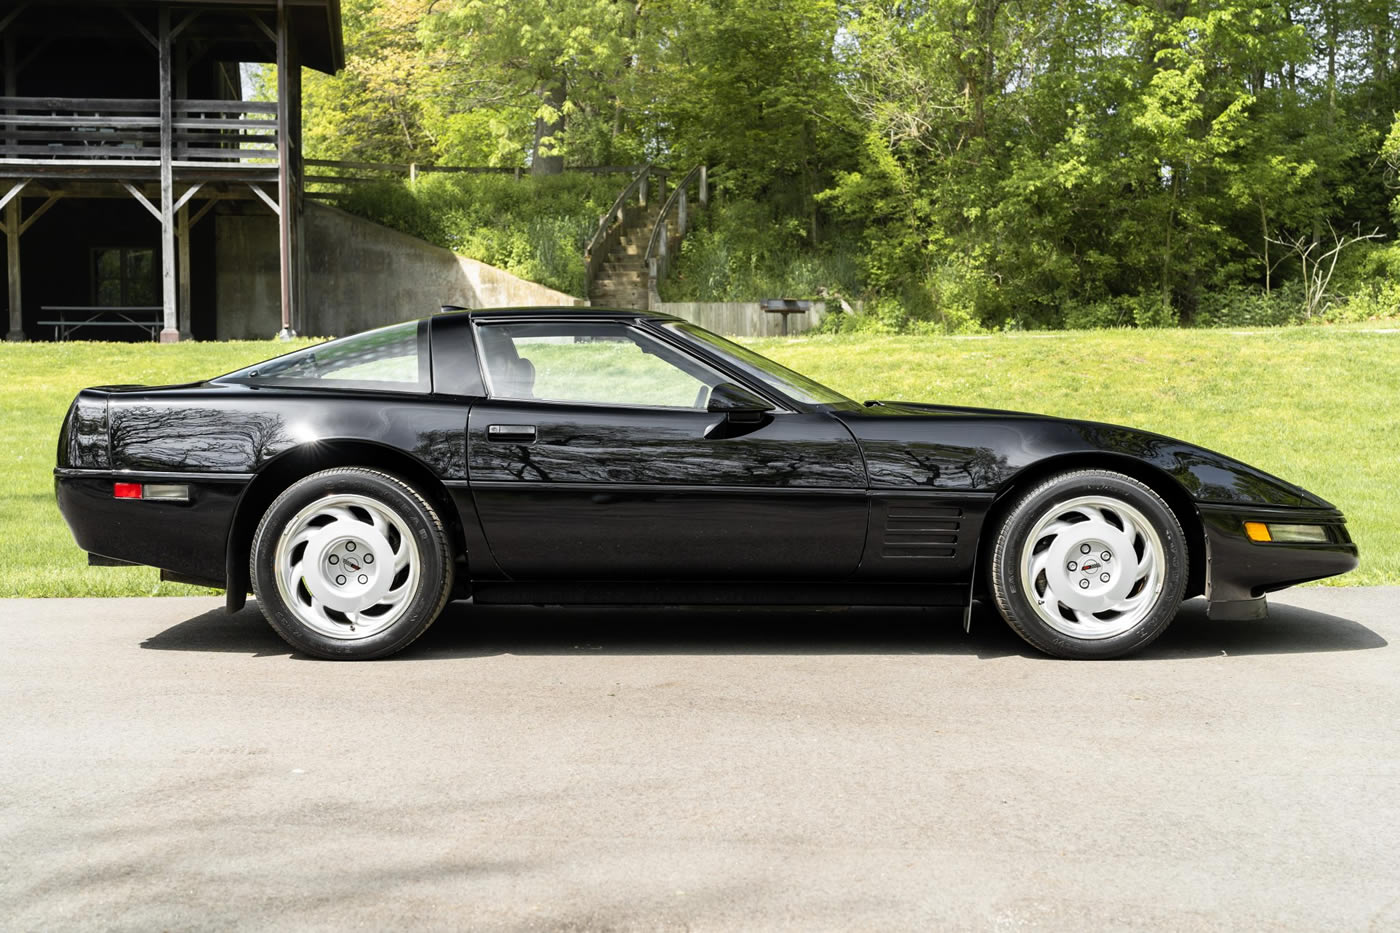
(465,631)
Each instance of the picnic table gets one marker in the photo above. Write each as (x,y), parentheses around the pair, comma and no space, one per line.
(150,318)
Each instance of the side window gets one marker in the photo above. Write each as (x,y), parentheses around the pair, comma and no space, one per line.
(601,364)
(390,358)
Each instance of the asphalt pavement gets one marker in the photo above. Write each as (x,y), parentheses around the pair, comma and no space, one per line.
(166,766)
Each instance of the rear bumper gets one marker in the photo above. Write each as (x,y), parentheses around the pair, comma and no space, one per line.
(1241,571)
(188,539)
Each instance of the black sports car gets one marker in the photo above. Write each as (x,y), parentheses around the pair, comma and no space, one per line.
(568,456)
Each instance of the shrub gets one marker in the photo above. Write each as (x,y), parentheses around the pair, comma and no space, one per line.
(738,250)
(1243,306)
(1376,303)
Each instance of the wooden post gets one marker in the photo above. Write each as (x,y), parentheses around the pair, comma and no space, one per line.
(171,332)
(12,211)
(680,214)
(12,222)
(284,166)
(704,187)
(182,235)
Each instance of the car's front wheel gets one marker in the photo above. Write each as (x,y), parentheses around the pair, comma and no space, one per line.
(351,564)
(1089,564)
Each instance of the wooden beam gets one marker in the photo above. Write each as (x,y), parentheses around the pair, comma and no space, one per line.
(266,199)
(182,236)
(199,214)
(11,16)
(267,30)
(12,223)
(284,163)
(171,332)
(139,196)
(12,194)
(11,76)
(175,33)
(185,198)
(34,53)
(140,27)
(40,211)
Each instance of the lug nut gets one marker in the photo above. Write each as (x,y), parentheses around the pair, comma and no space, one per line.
(334,559)
(1103,577)
(340,580)
(364,579)
(1106,556)
(1084,549)
(1073,566)
(349,545)
(1084,584)
(369,558)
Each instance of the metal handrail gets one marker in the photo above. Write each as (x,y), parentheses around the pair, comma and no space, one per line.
(657,257)
(611,223)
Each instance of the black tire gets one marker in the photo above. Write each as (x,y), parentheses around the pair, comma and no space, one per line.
(1053,512)
(412,530)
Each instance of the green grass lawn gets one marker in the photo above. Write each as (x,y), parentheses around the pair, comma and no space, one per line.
(1317,406)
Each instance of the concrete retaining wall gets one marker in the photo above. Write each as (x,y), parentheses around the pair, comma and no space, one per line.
(358,275)
(741,318)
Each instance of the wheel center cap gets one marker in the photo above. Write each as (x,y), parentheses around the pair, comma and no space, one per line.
(1085,581)
(350,571)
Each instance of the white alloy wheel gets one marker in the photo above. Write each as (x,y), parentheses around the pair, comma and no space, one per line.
(347,566)
(351,563)
(1093,567)
(1089,564)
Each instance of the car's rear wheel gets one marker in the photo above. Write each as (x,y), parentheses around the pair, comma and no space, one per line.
(351,564)
(1089,564)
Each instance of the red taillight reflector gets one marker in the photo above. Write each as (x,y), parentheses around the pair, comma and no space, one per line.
(126,490)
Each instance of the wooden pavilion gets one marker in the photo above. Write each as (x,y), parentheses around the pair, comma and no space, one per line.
(123,123)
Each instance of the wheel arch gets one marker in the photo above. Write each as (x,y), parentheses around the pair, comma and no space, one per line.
(1162,483)
(299,462)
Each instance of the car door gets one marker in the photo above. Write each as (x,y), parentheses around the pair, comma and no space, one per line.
(595,457)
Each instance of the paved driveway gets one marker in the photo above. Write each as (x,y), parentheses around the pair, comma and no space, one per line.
(167,766)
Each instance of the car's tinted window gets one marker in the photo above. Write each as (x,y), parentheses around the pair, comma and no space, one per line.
(391,357)
(774,375)
(597,363)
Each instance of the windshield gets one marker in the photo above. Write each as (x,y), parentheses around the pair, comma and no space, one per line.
(774,375)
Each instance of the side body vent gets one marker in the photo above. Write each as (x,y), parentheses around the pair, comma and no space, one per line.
(920,531)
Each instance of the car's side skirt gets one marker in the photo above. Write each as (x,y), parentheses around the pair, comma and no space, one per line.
(718,593)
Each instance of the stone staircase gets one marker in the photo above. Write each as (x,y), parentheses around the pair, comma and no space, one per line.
(631,243)
(622,279)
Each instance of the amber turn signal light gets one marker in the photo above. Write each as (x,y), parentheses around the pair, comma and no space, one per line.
(1257,531)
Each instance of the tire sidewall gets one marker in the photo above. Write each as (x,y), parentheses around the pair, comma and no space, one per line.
(1007,564)
(417,516)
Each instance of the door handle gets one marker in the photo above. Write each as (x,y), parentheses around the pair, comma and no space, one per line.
(511,433)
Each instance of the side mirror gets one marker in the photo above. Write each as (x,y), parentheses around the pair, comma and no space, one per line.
(730,399)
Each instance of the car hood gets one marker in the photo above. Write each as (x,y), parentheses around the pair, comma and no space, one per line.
(959,447)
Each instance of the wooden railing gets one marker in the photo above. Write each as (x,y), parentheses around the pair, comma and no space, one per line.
(624,211)
(99,129)
(671,225)
(339,175)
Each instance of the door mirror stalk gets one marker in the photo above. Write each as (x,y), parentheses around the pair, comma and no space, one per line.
(743,411)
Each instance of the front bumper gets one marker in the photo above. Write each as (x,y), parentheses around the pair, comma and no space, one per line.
(1240,571)
(188,539)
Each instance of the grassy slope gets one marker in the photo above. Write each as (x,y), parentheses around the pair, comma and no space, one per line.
(37,383)
(1318,406)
